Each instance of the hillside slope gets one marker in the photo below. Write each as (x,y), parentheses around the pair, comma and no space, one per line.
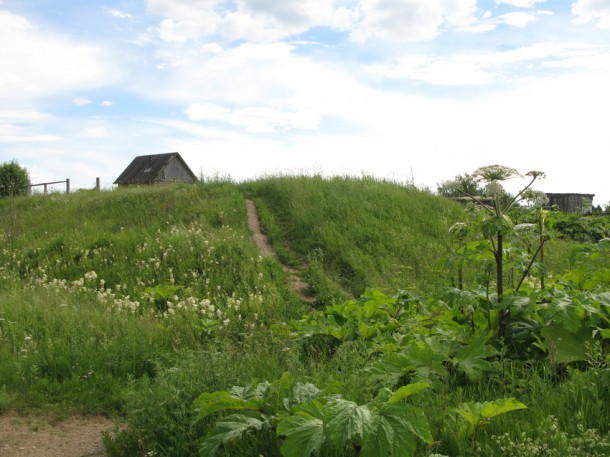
(353,234)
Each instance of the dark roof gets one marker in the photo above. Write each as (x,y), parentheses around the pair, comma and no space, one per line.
(559,194)
(147,169)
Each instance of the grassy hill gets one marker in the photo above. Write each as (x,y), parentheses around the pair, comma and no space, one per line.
(131,303)
(352,234)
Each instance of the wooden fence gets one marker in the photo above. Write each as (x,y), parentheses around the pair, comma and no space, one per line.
(67,181)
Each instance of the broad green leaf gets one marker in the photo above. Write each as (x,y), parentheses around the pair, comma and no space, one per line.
(383,396)
(314,408)
(229,429)
(407,391)
(418,423)
(519,304)
(470,359)
(379,437)
(388,433)
(478,413)
(428,364)
(304,435)
(390,367)
(564,346)
(503,405)
(564,311)
(603,299)
(367,331)
(258,392)
(345,421)
(471,412)
(210,403)
(605,333)
(302,393)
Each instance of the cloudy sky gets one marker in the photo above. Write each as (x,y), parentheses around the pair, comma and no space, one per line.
(410,90)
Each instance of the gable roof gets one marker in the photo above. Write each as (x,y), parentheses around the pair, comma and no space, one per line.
(148,169)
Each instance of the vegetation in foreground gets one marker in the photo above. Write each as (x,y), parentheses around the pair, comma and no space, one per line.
(153,306)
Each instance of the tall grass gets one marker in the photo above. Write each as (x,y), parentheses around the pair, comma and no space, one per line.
(133,302)
(356,233)
(101,289)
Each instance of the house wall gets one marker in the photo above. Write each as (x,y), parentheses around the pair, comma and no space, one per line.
(175,171)
(571,203)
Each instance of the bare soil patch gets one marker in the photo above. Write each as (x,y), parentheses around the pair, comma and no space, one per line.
(29,436)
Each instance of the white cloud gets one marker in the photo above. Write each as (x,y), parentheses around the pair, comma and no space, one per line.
(458,70)
(207,112)
(270,20)
(253,20)
(254,119)
(10,133)
(264,119)
(410,20)
(23,115)
(81,101)
(517,19)
(118,13)
(107,103)
(37,63)
(521,3)
(487,68)
(97,132)
(597,11)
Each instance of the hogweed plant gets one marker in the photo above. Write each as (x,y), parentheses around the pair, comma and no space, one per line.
(496,224)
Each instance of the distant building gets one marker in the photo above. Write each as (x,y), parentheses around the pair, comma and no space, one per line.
(156,169)
(572,203)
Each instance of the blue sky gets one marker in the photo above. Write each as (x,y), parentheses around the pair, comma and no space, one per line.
(409,90)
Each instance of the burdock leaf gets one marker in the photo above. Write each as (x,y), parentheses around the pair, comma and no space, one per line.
(210,403)
(407,391)
(345,421)
(304,435)
(229,429)
(388,433)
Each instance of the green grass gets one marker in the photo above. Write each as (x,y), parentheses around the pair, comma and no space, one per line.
(133,302)
(356,233)
(82,283)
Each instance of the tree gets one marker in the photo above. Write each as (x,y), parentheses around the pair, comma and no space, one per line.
(14,179)
(460,186)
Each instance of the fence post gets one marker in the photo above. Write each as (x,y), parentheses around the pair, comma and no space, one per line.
(97,184)
(67,185)
(45,188)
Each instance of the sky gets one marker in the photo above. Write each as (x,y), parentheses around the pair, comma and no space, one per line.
(415,91)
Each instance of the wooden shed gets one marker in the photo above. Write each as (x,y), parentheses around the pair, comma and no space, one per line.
(572,203)
(156,169)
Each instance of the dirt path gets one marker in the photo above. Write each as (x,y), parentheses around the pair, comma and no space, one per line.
(25,436)
(262,241)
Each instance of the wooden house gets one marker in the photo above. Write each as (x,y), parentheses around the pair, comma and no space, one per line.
(156,169)
(572,203)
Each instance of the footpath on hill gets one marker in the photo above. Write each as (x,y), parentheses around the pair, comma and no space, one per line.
(39,436)
(262,241)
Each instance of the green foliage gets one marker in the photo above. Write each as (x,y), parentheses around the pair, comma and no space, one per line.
(460,186)
(308,424)
(576,227)
(581,442)
(133,277)
(356,231)
(132,303)
(14,180)
(477,414)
